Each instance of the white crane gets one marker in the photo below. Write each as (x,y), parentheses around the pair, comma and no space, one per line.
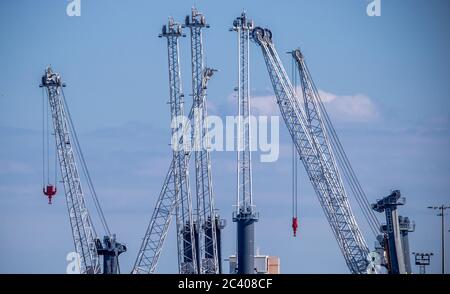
(245,215)
(206,221)
(86,242)
(311,133)
(198,238)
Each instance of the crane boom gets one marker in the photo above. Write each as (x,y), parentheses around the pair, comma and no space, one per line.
(155,235)
(158,227)
(206,224)
(87,245)
(83,232)
(306,130)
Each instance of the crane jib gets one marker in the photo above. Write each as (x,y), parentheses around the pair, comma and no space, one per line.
(87,245)
(316,154)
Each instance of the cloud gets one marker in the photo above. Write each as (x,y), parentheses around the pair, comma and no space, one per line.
(357,107)
(260,104)
(264,105)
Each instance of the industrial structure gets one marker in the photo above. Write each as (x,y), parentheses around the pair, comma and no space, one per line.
(198,238)
(308,132)
(394,238)
(87,244)
(321,152)
(245,215)
(264,264)
(198,225)
(206,222)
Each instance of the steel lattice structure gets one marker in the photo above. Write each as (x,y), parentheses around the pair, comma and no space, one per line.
(187,260)
(245,215)
(310,138)
(158,227)
(83,232)
(244,178)
(167,203)
(206,224)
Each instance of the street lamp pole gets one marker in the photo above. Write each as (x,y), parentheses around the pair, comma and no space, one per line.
(442,209)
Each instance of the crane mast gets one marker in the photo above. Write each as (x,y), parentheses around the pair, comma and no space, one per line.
(87,245)
(187,260)
(83,232)
(206,219)
(245,215)
(307,132)
(168,202)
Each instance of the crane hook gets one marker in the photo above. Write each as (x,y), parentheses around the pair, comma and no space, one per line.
(49,191)
(295,225)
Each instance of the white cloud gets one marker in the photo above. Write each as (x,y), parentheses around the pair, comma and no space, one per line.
(357,107)
(260,104)
(264,105)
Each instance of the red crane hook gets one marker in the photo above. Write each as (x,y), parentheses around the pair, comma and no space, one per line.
(49,191)
(295,225)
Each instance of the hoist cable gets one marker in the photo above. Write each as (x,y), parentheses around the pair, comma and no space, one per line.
(294,156)
(43,137)
(48,146)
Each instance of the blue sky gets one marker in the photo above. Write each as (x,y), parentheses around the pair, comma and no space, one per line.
(386,80)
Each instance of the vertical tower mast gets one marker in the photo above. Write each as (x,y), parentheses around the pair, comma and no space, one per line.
(187,260)
(244,216)
(208,262)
